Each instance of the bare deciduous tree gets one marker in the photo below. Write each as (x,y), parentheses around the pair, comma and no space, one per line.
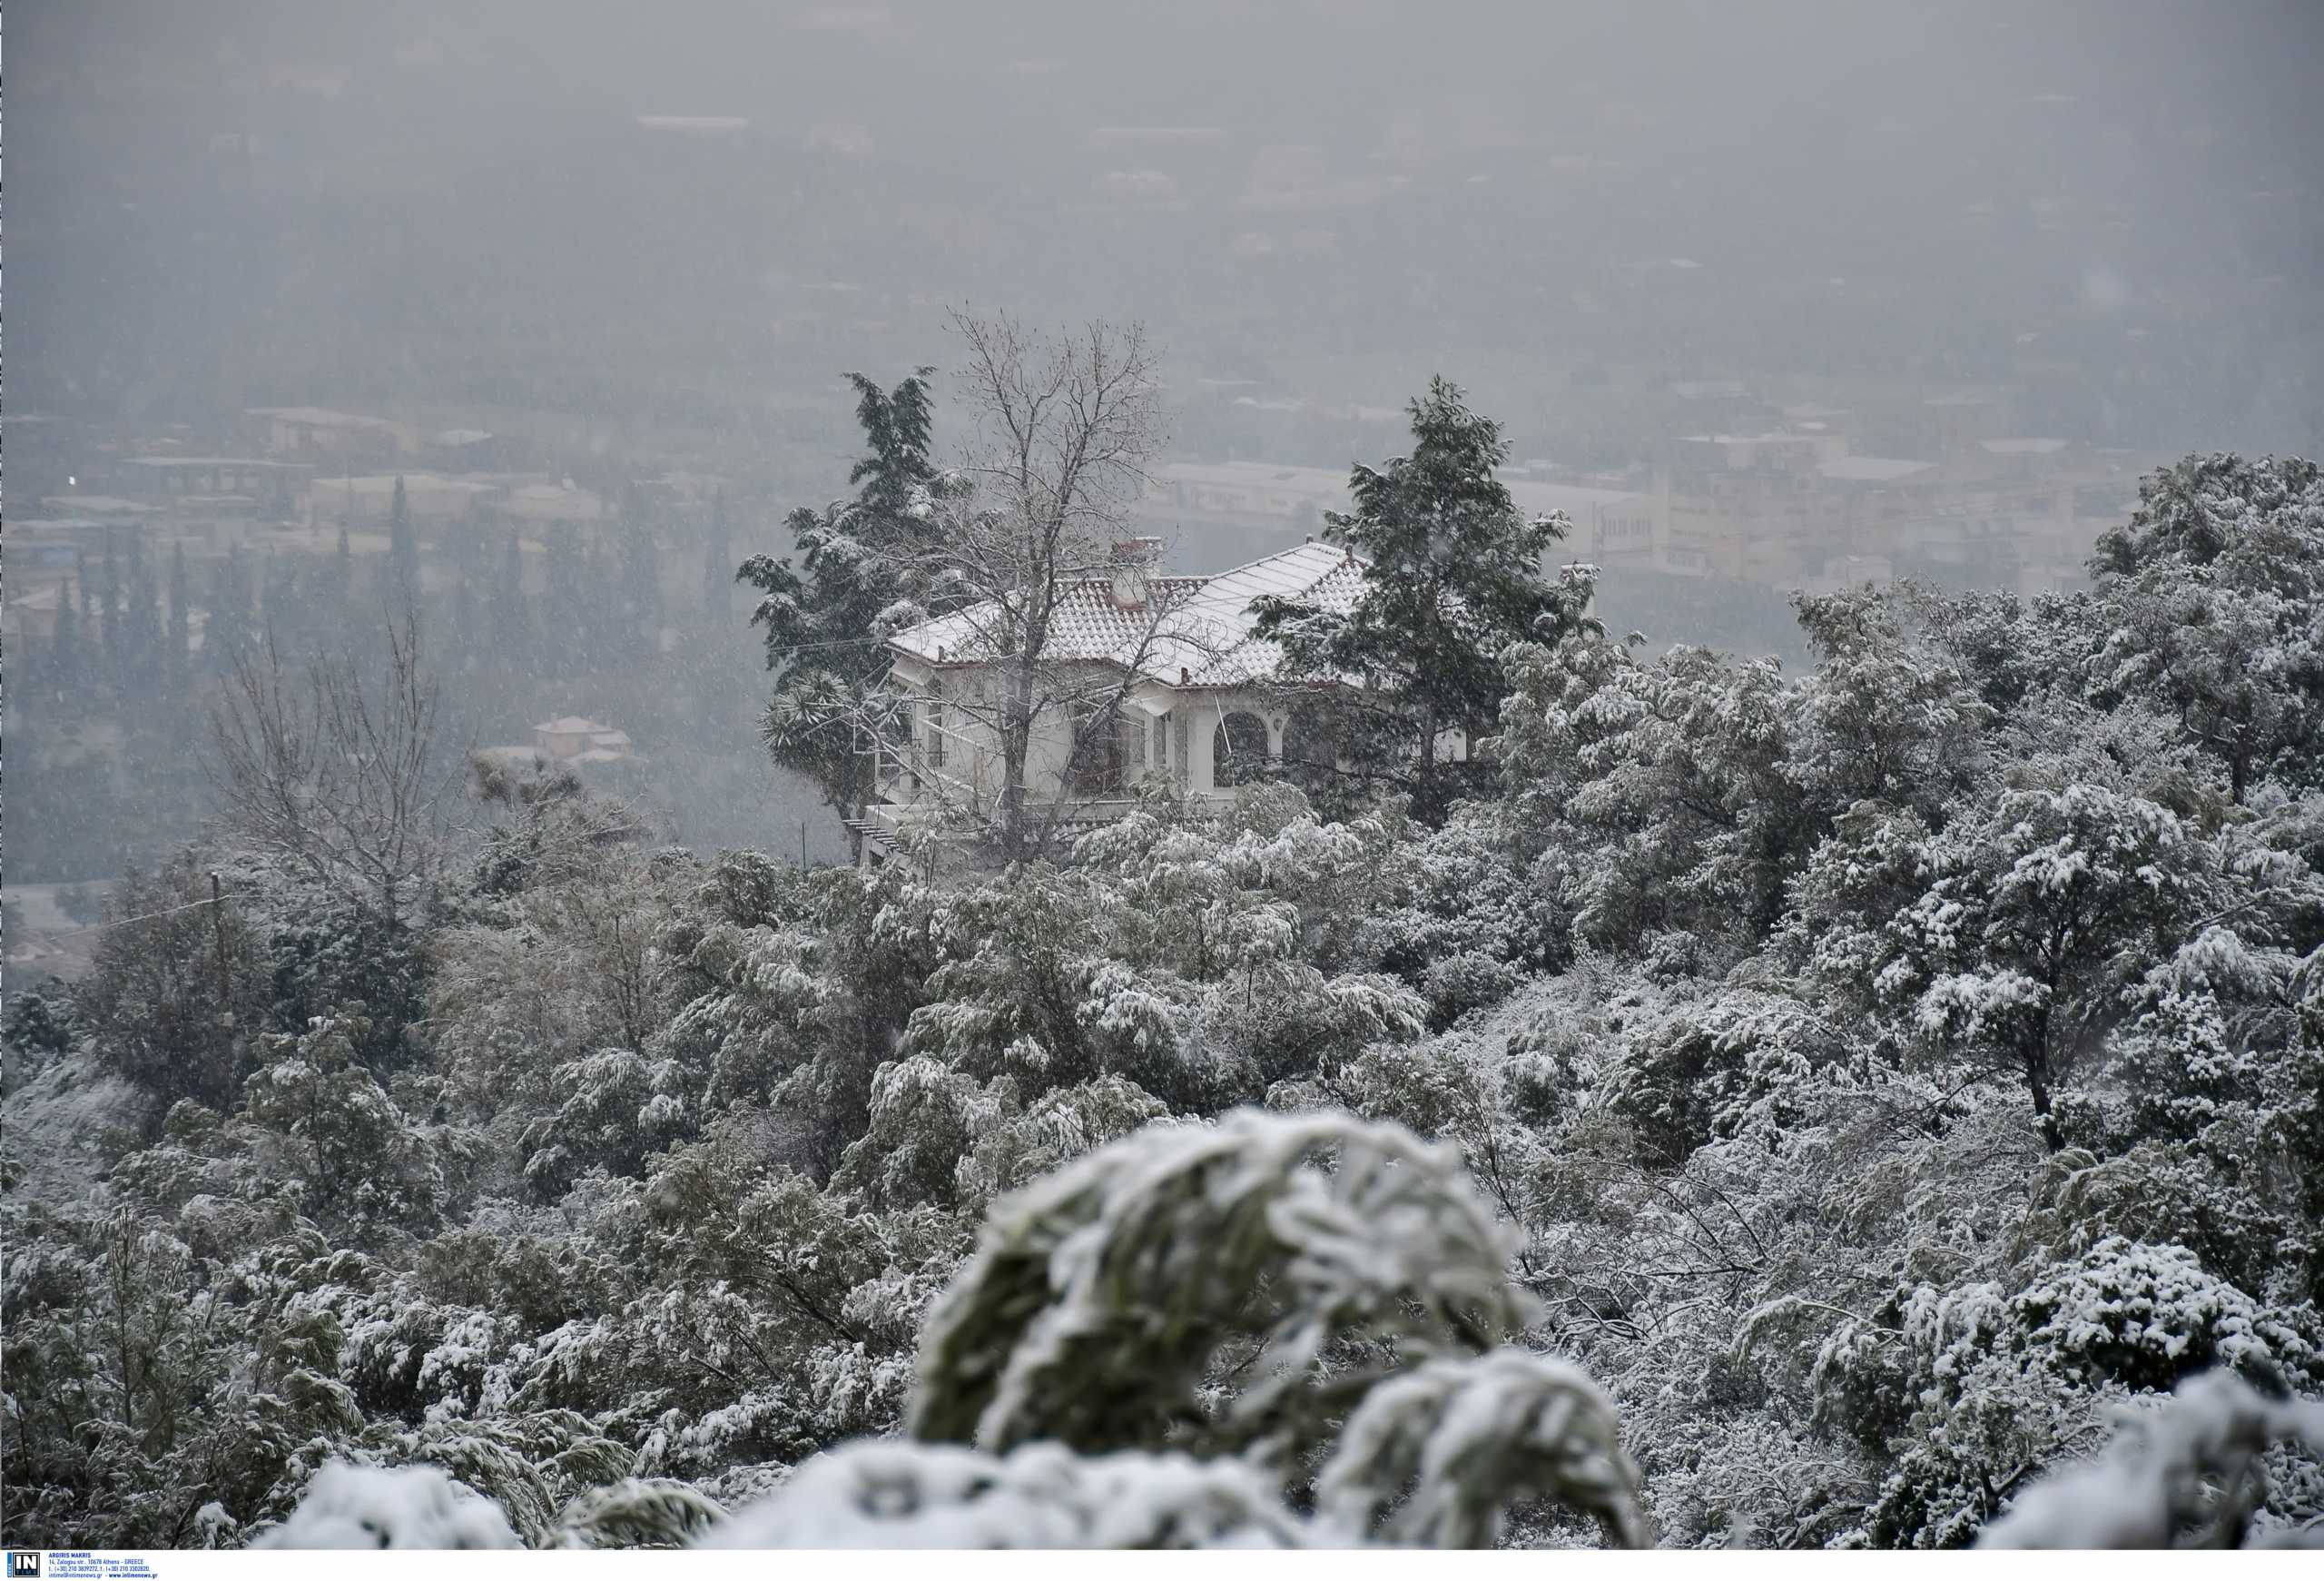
(1063,426)
(336,773)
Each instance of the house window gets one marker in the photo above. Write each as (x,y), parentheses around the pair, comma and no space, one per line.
(1160,758)
(1238,750)
(1096,768)
(936,724)
(893,738)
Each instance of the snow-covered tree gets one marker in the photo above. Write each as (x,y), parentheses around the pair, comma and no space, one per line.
(1453,575)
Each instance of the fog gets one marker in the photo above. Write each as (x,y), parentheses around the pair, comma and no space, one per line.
(639,244)
(1140,774)
(1335,198)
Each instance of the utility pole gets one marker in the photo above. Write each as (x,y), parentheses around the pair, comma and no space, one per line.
(218,931)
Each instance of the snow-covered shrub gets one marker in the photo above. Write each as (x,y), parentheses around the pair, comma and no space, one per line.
(2190,1472)
(1040,1495)
(1100,1296)
(407,1507)
(635,1513)
(1434,1456)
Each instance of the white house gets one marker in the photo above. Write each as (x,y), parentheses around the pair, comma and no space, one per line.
(574,739)
(1198,706)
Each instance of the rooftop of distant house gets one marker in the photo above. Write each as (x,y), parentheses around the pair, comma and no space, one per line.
(1176,630)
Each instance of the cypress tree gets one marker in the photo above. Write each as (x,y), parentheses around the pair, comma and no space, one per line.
(180,663)
(228,635)
(563,605)
(280,613)
(64,665)
(463,619)
(335,586)
(109,603)
(403,556)
(141,640)
(638,592)
(506,610)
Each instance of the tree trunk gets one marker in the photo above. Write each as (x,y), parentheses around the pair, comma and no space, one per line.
(1016,742)
(2037,1081)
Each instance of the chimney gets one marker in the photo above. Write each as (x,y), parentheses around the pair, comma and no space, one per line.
(1132,559)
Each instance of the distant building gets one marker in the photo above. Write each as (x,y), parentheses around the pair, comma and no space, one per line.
(1198,705)
(319,434)
(33,618)
(574,739)
(215,485)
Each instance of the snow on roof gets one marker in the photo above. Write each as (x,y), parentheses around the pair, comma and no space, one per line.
(571,724)
(1202,629)
(1871,469)
(2022,446)
(454,438)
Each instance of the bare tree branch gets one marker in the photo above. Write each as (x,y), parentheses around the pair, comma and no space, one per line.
(337,775)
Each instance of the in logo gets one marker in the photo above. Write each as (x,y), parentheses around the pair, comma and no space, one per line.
(22,1566)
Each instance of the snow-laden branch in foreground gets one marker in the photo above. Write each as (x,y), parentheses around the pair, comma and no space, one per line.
(2194,1467)
(1102,1294)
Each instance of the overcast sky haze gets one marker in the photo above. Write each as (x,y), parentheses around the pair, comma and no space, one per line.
(442,191)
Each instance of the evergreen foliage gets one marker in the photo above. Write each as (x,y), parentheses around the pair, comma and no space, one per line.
(1876,1106)
(1453,575)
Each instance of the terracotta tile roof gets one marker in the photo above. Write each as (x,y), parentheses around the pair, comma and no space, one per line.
(1203,630)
